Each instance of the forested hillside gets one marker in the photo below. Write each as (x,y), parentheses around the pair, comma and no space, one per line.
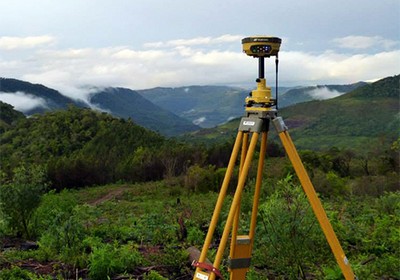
(320,92)
(82,147)
(8,116)
(361,118)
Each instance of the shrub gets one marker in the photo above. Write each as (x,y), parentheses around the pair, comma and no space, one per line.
(53,207)
(195,236)
(20,198)
(153,275)
(291,239)
(64,237)
(17,273)
(200,179)
(330,184)
(110,259)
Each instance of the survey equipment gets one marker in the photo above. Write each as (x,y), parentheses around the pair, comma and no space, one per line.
(260,111)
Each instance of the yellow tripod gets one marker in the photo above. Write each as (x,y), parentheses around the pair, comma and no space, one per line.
(259,115)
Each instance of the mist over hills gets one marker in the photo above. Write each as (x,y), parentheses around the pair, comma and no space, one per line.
(120,102)
(209,106)
(170,111)
(319,92)
(34,98)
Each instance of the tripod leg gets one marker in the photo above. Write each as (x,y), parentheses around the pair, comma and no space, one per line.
(257,191)
(240,254)
(237,214)
(316,205)
(220,200)
(235,202)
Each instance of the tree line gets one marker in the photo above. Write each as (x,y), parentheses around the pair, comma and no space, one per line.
(80,147)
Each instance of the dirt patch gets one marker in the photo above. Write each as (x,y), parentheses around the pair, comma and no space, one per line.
(111,195)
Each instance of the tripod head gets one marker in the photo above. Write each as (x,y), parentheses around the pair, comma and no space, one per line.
(261,47)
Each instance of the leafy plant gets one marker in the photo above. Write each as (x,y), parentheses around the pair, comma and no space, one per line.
(291,240)
(17,273)
(200,179)
(63,239)
(153,275)
(20,197)
(195,236)
(110,259)
(52,209)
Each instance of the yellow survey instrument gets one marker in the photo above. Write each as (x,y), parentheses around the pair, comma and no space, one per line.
(261,110)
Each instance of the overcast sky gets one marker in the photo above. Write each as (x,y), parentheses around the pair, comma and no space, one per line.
(149,43)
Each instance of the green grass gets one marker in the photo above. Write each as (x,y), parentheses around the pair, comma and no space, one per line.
(116,228)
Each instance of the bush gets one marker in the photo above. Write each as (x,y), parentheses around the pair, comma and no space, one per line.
(20,198)
(291,242)
(17,273)
(153,275)
(195,236)
(63,238)
(53,207)
(330,184)
(201,179)
(110,259)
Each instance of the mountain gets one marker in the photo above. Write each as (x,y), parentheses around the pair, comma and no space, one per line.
(206,106)
(41,98)
(354,120)
(209,106)
(120,102)
(126,103)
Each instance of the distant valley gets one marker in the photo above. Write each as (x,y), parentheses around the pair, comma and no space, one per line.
(210,106)
(169,111)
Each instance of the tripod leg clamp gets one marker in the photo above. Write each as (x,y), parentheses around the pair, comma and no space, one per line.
(208,267)
(279,124)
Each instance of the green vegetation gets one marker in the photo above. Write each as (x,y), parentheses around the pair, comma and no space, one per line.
(352,120)
(147,227)
(81,147)
(358,120)
(104,198)
(20,198)
(8,116)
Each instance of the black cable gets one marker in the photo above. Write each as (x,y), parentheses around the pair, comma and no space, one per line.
(276,80)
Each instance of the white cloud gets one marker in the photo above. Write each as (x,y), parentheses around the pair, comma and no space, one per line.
(331,67)
(73,71)
(199,121)
(324,93)
(364,42)
(11,43)
(22,101)
(227,38)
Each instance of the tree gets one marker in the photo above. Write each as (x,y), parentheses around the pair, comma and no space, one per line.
(20,197)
